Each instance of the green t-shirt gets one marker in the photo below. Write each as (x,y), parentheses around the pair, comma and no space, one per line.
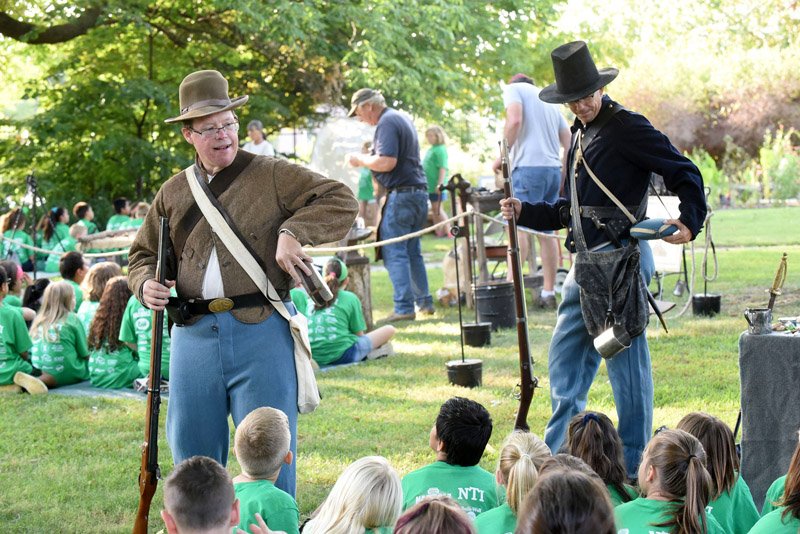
(735,510)
(435,159)
(500,520)
(299,299)
(332,330)
(86,312)
(23,254)
(113,369)
(137,324)
(473,487)
(773,523)
(91,227)
(78,293)
(638,516)
(774,495)
(366,190)
(616,497)
(62,351)
(59,242)
(14,340)
(13,301)
(118,222)
(277,508)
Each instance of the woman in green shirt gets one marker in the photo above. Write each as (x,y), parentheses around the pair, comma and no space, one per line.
(13,227)
(435,166)
(112,364)
(59,340)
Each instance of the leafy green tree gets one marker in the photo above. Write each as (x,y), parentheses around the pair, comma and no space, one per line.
(105,90)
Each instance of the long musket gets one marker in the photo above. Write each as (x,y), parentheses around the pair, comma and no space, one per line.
(149,473)
(528,382)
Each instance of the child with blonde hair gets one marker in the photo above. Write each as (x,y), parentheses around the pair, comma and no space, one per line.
(112,363)
(93,285)
(365,499)
(731,501)
(262,446)
(438,514)
(591,436)
(59,340)
(521,457)
(675,488)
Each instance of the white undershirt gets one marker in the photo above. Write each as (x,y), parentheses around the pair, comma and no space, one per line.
(212,278)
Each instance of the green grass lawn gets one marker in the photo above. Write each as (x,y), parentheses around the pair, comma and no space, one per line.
(71,464)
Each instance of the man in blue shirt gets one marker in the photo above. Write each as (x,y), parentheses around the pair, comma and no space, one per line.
(625,150)
(395,162)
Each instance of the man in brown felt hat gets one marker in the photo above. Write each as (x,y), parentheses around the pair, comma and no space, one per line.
(231,352)
(622,149)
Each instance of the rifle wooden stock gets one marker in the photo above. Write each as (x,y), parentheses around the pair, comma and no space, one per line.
(527,381)
(149,472)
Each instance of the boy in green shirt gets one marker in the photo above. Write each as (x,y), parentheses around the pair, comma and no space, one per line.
(262,446)
(73,270)
(85,215)
(121,217)
(459,437)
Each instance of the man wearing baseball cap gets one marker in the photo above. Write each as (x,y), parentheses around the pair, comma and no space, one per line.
(231,351)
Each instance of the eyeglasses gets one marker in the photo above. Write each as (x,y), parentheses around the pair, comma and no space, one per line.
(209,133)
(582,100)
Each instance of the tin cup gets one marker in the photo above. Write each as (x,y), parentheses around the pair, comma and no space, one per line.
(612,341)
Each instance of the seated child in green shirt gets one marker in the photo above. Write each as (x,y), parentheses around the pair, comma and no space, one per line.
(366,498)
(137,332)
(592,437)
(16,277)
(112,363)
(93,286)
(521,458)
(731,502)
(785,518)
(262,446)
(84,213)
(59,340)
(459,437)
(199,498)
(14,345)
(121,217)
(436,513)
(675,488)
(13,227)
(73,269)
(567,499)
(56,238)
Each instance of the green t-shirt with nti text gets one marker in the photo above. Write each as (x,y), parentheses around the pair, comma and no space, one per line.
(472,487)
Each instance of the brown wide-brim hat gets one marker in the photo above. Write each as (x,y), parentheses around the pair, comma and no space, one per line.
(576,74)
(203,93)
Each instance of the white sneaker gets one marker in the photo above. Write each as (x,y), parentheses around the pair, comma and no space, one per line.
(30,383)
(381,352)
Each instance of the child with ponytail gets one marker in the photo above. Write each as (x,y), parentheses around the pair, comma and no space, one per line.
(783,498)
(336,329)
(591,436)
(675,487)
(731,502)
(521,458)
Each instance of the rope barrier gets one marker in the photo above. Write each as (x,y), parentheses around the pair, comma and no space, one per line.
(520,228)
(60,252)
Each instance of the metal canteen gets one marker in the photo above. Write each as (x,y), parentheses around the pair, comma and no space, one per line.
(612,341)
(759,320)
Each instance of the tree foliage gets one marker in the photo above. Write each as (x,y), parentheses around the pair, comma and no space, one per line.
(103,93)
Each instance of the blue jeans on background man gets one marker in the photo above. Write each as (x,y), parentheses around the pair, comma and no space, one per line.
(220,365)
(573,363)
(536,184)
(406,212)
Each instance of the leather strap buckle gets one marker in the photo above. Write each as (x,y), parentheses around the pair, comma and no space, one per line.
(220,305)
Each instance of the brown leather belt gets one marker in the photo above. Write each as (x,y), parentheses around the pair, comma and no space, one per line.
(181,310)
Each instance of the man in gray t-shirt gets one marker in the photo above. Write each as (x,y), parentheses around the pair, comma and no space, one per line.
(536,132)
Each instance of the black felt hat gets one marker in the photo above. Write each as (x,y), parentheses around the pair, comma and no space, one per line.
(576,74)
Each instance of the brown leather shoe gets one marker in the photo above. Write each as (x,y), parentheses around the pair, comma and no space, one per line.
(394,317)
(428,311)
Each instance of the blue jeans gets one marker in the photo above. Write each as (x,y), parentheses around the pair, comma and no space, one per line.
(220,366)
(406,212)
(573,363)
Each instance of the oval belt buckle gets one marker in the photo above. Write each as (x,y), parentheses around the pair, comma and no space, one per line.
(220,305)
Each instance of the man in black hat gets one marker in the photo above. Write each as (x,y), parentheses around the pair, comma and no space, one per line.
(396,166)
(231,351)
(622,149)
